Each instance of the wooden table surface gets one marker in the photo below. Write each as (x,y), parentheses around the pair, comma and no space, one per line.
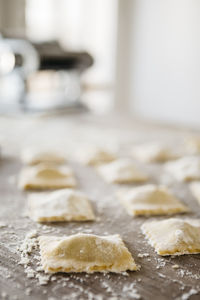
(157,279)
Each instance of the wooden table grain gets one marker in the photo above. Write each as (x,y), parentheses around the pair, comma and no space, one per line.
(157,278)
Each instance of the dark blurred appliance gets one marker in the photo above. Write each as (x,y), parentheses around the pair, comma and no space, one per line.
(40,77)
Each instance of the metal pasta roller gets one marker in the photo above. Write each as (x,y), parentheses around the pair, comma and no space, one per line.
(40,77)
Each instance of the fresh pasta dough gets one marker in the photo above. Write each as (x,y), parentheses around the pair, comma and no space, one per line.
(85,253)
(62,205)
(34,156)
(184,169)
(173,236)
(46,176)
(150,200)
(195,189)
(153,152)
(122,171)
(93,156)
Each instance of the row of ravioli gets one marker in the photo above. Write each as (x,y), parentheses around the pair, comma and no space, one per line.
(48,170)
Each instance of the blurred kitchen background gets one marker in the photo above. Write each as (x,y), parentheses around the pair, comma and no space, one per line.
(135,57)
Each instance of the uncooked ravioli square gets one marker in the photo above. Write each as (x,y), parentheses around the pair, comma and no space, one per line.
(94,155)
(46,176)
(173,236)
(122,171)
(153,152)
(31,156)
(184,169)
(61,205)
(150,199)
(195,189)
(85,253)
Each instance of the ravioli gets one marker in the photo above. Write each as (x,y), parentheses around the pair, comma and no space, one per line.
(85,253)
(34,156)
(193,144)
(62,205)
(150,200)
(122,171)
(94,156)
(46,176)
(184,169)
(173,236)
(195,189)
(153,152)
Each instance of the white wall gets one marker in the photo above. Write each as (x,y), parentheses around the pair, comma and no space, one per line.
(88,25)
(165,60)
